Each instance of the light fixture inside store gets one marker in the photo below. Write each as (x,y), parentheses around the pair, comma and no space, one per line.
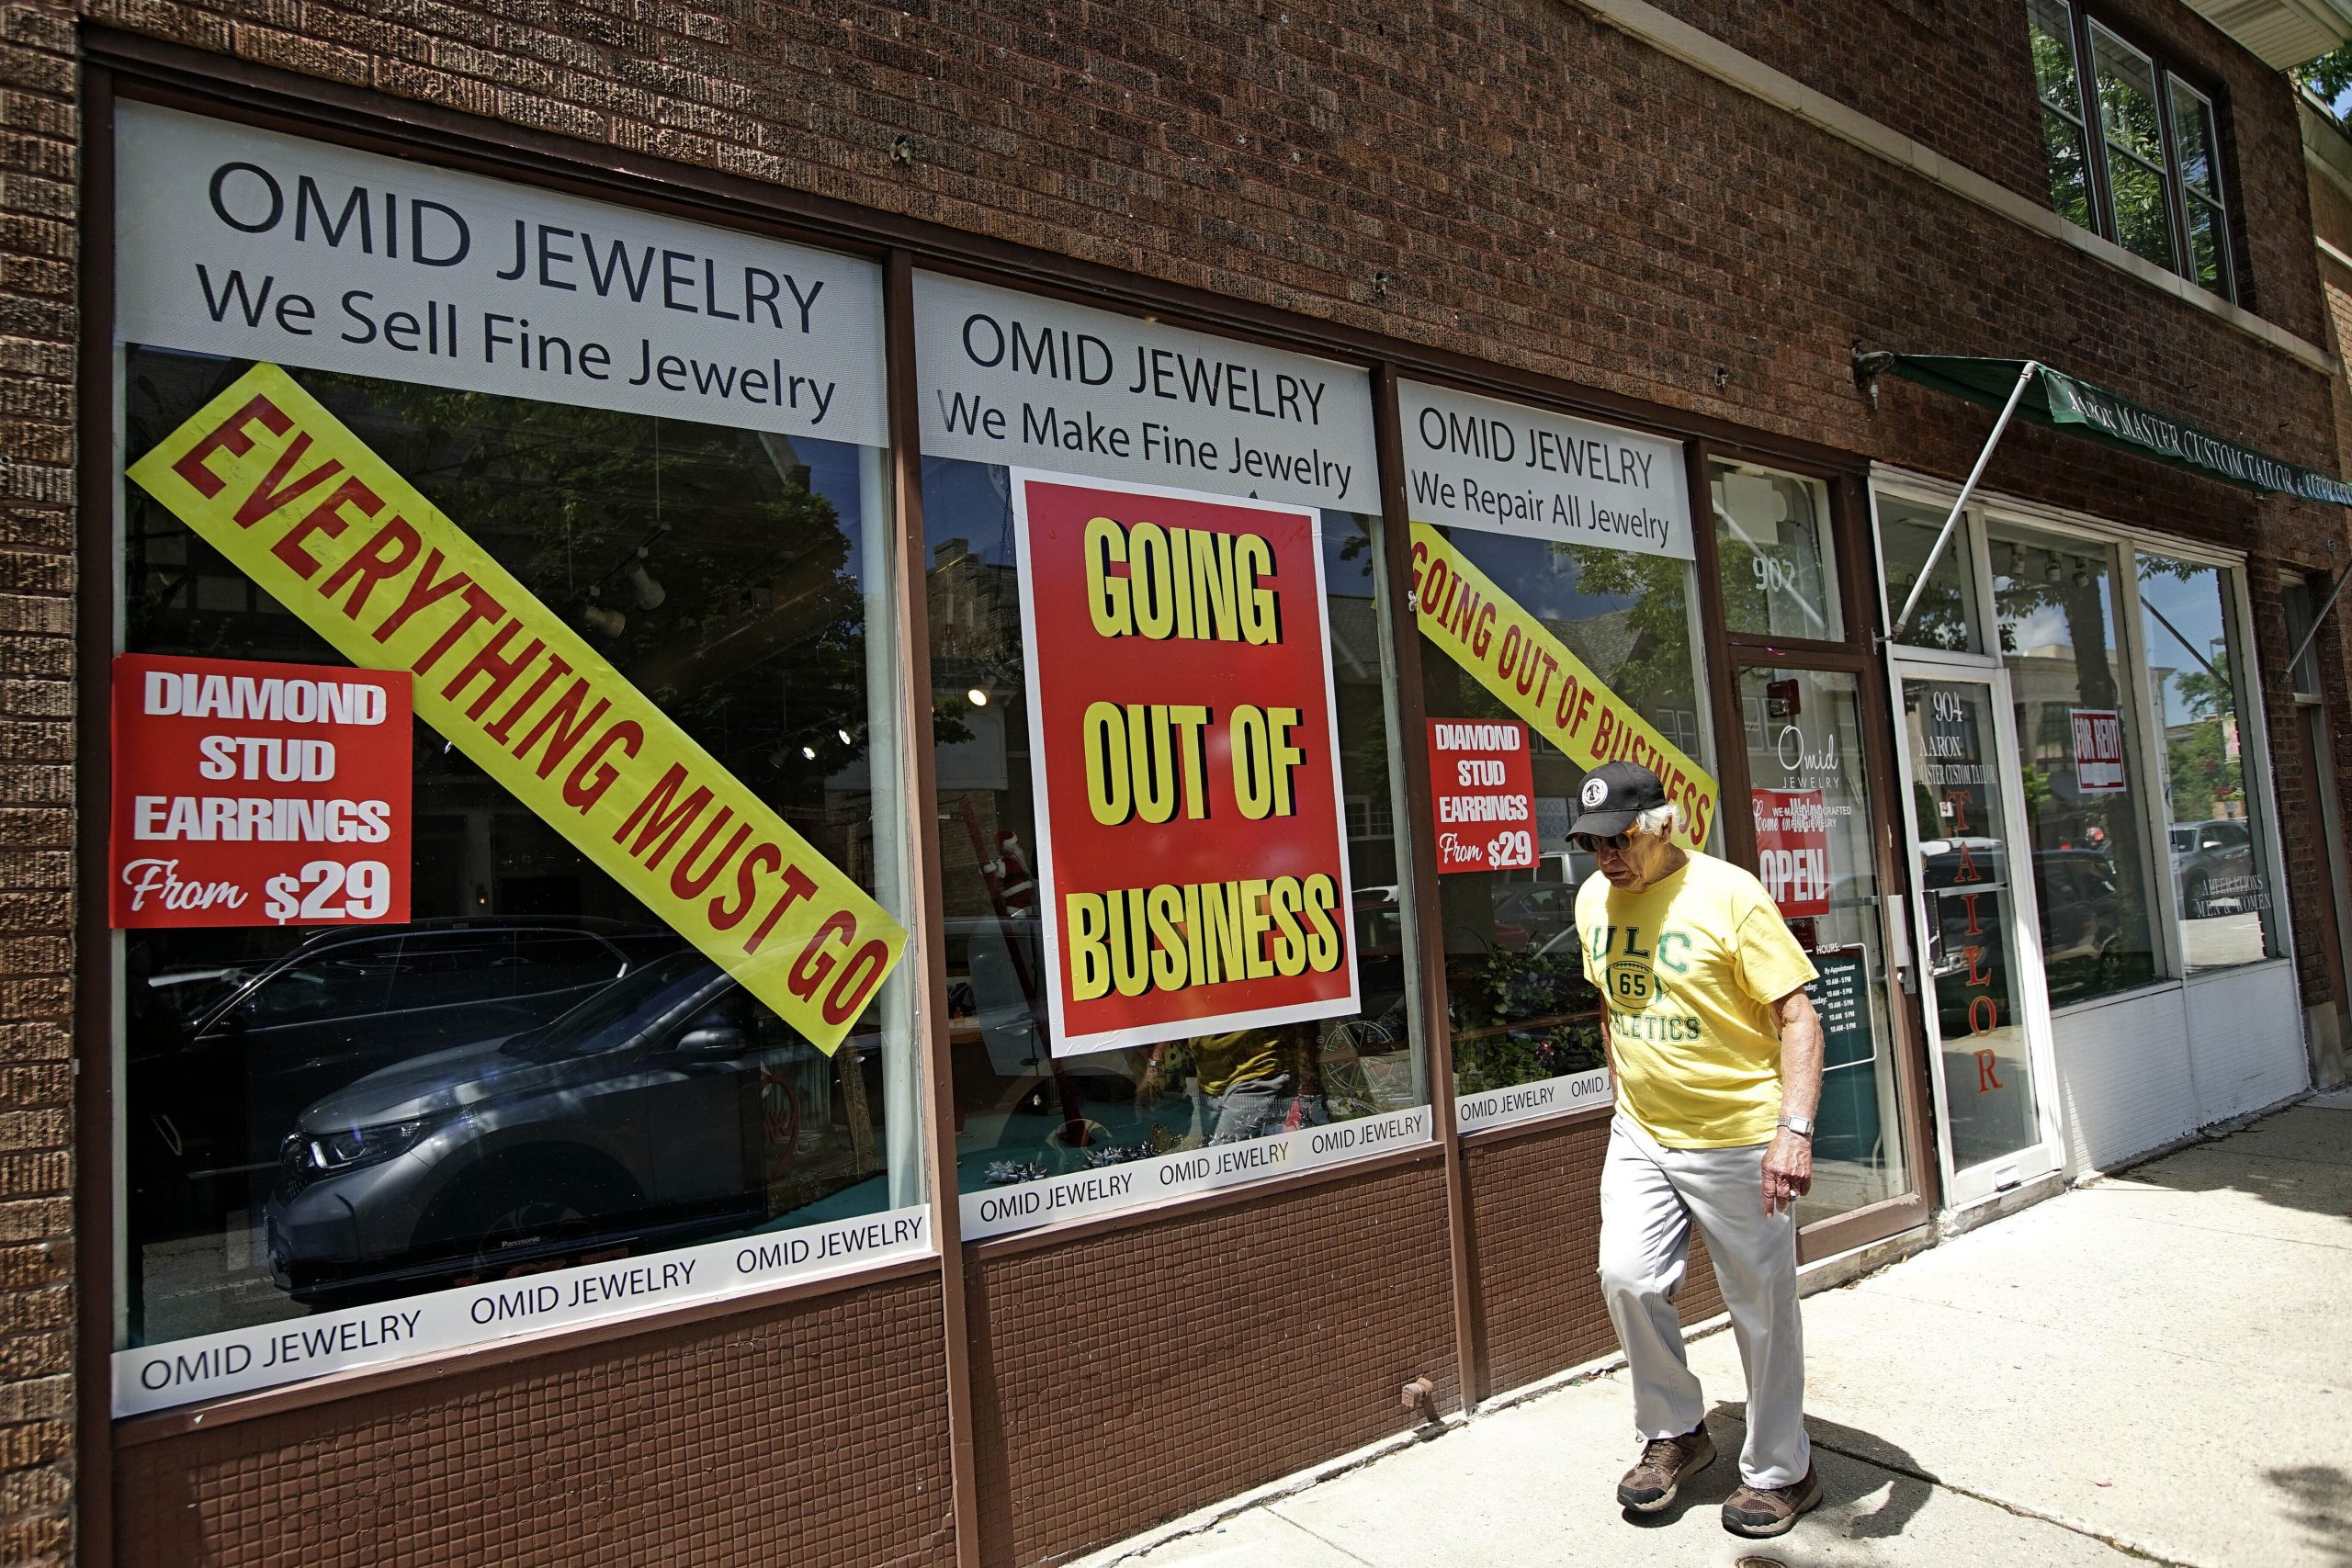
(809,753)
(844,735)
(977,698)
(642,584)
(602,621)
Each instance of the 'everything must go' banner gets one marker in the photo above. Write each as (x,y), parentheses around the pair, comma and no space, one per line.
(1192,853)
(1518,658)
(275,482)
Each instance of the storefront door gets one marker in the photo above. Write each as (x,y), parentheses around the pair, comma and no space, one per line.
(1980,961)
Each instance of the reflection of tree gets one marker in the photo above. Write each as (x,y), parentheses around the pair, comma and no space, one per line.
(1653,671)
(2196,754)
(758,649)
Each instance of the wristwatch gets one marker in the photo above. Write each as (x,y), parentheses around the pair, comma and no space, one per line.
(1801,1126)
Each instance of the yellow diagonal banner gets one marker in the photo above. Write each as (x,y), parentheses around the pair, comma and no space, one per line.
(278,485)
(1518,658)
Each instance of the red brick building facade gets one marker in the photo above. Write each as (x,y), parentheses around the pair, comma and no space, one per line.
(1683,219)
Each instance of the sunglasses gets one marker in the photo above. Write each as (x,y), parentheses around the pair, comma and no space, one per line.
(1590,844)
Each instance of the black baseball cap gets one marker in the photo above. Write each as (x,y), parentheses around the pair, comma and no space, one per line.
(1612,794)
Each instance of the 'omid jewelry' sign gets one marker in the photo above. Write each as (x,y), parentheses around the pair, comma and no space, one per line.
(280,487)
(1184,745)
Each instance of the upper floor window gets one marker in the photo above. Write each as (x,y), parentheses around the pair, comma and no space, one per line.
(2134,151)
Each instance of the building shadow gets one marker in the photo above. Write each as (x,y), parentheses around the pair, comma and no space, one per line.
(2293,1159)
(2320,1496)
(1877,1464)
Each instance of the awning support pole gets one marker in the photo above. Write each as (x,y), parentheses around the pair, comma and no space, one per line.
(2313,635)
(1927,570)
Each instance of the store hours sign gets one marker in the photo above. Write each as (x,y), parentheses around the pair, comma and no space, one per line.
(1184,745)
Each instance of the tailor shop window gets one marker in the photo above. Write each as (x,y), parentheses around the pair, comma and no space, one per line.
(2079,756)
(2214,835)
(1555,593)
(1175,928)
(535,1072)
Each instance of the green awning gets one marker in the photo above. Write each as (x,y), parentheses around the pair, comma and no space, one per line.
(2065,402)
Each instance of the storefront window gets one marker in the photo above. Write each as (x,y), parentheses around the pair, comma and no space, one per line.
(543,1031)
(2079,745)
(1554,638)
(1098,675)
(1945,613)
(1814,854)
(1779,569)
(2220,875)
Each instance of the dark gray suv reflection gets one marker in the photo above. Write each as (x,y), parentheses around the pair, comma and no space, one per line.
(665,1108)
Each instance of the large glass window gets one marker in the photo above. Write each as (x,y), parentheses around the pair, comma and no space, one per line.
(505,597)
(2057,79)
(534,1073)
(2220,874)
(2078,741)
(2134,130)
(1772,538)
(1516,997)
(1053,1119)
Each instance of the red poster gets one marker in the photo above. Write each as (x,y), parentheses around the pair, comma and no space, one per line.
(1482,778)
(256,794)
(1793,850)
(2098,751)
(1184,750)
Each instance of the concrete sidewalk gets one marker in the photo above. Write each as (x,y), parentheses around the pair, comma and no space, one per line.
(2155,1366)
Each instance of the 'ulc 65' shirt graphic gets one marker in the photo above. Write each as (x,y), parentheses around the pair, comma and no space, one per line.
(1690,968)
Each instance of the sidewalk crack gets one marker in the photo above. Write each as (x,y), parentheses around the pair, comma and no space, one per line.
(2024,1511)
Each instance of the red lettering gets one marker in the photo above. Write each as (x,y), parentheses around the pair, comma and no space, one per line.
(229,436)
(726,917)
(663,812)
(589,781)
(274,493)
(325,518)
(796,887)
(422,594)
(1983,1017)
(386,552)
(1986,1081)
(809,970)
(490,663)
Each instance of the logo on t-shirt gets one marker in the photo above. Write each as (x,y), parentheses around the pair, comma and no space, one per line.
(1631,982)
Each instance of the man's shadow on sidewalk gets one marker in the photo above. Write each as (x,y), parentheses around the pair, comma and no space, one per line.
(1874,1463)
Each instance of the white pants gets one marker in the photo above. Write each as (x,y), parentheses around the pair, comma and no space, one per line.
(1649,1197)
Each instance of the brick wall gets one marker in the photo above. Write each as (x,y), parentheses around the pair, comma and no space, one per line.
(1512,180)
(37,566)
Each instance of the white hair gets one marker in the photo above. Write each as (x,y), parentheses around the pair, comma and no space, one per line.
(1660,820)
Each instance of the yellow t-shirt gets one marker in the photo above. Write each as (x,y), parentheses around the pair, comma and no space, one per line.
(1690,968)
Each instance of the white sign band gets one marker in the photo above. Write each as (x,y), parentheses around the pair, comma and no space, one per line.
(1526,1102)
(1501,467)
(156,1376)
(997,1211)
(1016,380)
(256,246)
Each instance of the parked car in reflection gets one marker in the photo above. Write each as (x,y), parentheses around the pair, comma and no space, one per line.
(2212,868)
(219,1068)
(665,1109)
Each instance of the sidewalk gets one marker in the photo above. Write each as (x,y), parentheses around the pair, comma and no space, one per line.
(2156,1366)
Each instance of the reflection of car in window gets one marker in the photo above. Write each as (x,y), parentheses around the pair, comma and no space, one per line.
(669,1107)
(2212,868)
(216,1083)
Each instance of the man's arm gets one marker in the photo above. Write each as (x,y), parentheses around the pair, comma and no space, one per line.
(1788,1164)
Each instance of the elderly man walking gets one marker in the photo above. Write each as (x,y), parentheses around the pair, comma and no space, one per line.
(1716,1053)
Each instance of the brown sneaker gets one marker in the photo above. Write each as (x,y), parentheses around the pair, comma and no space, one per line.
(1664,1464)
(1754,1512)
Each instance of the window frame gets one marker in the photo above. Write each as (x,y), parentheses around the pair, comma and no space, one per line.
(2084,33)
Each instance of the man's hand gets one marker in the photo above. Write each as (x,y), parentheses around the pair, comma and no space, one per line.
(1788,1171)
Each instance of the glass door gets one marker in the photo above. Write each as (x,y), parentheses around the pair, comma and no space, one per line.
(1807,746)
(1986,1015)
